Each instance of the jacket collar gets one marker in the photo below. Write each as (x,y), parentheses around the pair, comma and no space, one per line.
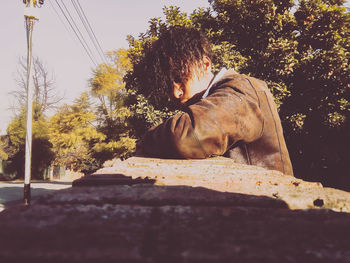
(218,76)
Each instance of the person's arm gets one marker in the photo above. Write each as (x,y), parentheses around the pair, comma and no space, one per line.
(210,127)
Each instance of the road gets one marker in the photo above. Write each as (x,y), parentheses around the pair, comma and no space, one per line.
(12,192)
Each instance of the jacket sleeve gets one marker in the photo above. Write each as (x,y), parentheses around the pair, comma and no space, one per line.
(230,114)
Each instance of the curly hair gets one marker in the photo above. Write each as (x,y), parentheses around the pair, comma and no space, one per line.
(171,59)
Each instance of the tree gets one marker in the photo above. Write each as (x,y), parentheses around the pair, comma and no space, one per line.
(107,83)
(108,87)
(44,99)
(73,134)
(318,110)
(15,144)
(43,82)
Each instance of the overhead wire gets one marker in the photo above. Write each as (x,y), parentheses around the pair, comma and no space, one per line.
(83,18)
(98,43)
(82,41)
(77,28)
(78,33)
(59,17)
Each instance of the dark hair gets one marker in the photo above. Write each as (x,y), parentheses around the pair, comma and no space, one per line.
(171,58)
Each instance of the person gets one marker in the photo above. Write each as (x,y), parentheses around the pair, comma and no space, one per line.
(229,114)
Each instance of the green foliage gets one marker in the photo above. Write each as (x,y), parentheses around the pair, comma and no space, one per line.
(301,50)
(117,142)
(121,148)
(320,91)
(42,154)
(174,17)
(145,115)
(226,55)
(108,87)
(3,154)
(108,78)
(72,134)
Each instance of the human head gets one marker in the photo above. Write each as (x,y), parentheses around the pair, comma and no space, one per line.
(175,58)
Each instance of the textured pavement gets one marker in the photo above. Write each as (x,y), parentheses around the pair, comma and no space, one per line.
(12,192)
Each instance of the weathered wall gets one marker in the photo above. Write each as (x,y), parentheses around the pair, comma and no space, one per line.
(180,211)
(222,174)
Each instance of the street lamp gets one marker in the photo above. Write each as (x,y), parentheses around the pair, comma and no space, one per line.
(30,18)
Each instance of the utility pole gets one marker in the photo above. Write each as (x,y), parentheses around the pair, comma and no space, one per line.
(29,20)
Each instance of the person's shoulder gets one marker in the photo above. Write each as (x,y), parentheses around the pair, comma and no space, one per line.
(232,74)
(228,76)
(233,82)
(233,78)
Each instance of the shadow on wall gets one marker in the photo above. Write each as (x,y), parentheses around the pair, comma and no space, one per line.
(143,191)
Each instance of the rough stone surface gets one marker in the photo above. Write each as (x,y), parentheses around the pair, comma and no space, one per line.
(222,174)
(171,211)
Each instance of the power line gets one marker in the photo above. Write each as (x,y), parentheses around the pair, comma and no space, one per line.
(88,29)
(81,35)
(59,17)
(91,28)
(76,34)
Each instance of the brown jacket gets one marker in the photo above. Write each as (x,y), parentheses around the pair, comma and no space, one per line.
(238,119)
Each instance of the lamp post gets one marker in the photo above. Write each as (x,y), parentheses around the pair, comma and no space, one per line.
(29,20)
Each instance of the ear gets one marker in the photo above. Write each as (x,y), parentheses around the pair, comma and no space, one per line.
(206,63)
(178,90)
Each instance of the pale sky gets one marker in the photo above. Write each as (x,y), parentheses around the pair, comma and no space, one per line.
(111,20)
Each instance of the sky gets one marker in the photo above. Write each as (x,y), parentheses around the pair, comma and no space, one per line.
(56,45)
(59,49)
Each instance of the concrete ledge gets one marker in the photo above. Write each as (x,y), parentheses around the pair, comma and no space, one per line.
(222,174)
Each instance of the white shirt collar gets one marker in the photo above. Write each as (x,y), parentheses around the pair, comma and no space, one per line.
(216,78)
